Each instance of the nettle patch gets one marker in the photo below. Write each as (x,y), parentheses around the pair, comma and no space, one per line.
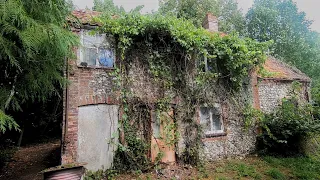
(183,61)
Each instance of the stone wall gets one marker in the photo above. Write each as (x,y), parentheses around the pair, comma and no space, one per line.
(236,142)
(271,92)
(91,87)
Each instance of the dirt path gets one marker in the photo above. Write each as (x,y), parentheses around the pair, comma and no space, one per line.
(27,162)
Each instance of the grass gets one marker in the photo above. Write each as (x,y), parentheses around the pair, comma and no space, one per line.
(255,168)
(276,174)
(300,167)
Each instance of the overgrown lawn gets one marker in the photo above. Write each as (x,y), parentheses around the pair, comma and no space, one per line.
(259,168)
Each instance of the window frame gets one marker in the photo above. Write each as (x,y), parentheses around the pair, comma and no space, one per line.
(211,132)
(81,54)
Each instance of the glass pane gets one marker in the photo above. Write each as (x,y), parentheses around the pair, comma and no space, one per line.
(89,41)
(216,109)
(89,56)
(155,125)
(106,57)
(94,40)
(216,122)
(205,119)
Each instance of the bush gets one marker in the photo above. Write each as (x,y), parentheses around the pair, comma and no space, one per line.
(285,131)
(6,155)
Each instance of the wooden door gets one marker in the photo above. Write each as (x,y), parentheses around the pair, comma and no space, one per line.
(163,137)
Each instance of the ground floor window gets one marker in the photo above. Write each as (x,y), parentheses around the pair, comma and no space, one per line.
(211,120)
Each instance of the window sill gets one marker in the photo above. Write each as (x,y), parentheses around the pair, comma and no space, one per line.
(96,67)
(215,135)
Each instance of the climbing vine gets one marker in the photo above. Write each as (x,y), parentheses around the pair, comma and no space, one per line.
(183,62)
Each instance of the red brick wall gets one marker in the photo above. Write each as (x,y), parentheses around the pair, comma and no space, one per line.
(85,88)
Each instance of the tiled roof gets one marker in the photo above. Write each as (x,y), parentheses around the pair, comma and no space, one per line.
(282,71)
(84,17)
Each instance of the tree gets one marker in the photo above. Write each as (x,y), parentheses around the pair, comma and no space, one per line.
(281,22)
(33,46)
(108,7)
(230,17)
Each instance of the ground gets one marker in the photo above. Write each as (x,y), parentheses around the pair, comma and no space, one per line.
(28,162)
(260,168)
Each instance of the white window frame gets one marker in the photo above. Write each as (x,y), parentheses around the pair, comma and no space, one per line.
(212,131)
(82,47)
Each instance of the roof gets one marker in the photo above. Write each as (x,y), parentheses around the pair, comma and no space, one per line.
(281,71)
(84,17)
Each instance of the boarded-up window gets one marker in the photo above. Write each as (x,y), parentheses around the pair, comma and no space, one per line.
(210,119)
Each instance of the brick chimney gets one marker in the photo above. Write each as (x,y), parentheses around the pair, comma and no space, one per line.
(210,22)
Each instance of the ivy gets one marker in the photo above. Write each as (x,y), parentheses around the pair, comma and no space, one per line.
(182,61)
(233,55)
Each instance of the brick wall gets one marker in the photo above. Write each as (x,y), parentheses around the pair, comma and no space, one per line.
(87,86)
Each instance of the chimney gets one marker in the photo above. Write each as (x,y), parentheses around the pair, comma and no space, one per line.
(210,22)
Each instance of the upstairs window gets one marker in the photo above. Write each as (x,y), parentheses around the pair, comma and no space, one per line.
(211,120)
(96,50)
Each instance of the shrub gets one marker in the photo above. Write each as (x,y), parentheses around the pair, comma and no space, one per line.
(284,131)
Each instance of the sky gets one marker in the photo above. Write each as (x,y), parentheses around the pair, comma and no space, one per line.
(311,7)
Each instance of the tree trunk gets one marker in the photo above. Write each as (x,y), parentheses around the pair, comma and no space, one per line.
(20,138)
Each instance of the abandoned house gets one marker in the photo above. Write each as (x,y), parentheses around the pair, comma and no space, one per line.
(91,108)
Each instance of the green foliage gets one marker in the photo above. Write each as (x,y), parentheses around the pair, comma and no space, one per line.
(230,17)
(252,117)
(276,174)
(100,174)
(232,55)
(294,42)
(33,48)
(284,131)
(300,167)
(108,8)
(171,50)
(7,123)
(6,155)
(244,170)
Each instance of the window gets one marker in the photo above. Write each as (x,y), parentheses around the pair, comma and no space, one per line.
(206,64)
(210,119)
(96,50)
(155,124)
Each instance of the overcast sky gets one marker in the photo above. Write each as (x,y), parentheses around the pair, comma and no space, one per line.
(311,7)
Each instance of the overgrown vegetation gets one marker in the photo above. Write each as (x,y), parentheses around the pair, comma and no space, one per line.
(182,61)
(258,168)
(34,45)
(287,130)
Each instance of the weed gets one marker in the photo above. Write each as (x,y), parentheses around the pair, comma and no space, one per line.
(301,167)
(275,174)
(220,170)
(244,170)
(221,178)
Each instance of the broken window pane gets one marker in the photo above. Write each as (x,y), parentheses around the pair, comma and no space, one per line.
(97,50)
(106,57)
